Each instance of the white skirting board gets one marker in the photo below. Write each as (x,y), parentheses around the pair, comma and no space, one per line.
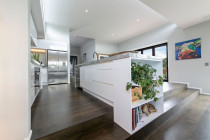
(201,92)
(180,83)
(205,94)
(29,136)
(196,88)
(99,97)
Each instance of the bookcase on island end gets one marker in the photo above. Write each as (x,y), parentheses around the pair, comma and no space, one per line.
(127,114)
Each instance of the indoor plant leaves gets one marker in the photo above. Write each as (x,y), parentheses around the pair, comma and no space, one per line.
(143,75)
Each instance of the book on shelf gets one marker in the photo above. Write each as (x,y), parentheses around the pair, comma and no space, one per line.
(133,124)
(136,116)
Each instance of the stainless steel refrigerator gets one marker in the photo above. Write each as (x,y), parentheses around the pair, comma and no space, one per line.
(57,67)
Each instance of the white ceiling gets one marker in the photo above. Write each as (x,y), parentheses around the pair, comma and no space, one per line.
(104,18)
(77,41)
(184,13)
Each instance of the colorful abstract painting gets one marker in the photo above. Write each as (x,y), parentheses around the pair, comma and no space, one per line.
(188,49)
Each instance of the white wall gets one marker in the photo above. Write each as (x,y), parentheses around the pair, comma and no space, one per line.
(14,72)
(149,38)
(105,47)
(192,71)
(57,33)
(89,48)
(75,50)
(52,45)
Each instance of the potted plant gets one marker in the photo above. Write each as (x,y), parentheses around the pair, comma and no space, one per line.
(36,56)
(144,76)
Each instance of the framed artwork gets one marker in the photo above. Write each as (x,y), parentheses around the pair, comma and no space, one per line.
(190,49)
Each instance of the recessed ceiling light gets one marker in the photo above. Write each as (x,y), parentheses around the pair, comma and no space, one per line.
(137,20)
(112,34)
(86,10)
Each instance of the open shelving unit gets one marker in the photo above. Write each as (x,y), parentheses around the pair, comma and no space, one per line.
(143,101)
(147,119)
(123,106)
(107,81)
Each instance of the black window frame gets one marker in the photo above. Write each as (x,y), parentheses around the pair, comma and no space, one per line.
(153,54)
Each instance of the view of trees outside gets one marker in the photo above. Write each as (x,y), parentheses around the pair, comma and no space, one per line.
(161,52)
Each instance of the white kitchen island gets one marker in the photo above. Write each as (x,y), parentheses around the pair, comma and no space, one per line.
(107,81)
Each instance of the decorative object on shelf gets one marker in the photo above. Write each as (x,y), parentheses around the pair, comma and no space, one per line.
(152,108)
(145,109)
(148,109)
(145,76)
(188,49)
(136,94)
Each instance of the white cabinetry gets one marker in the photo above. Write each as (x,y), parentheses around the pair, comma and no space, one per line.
(32,93)
(99,79)
(107,81)
(43,76)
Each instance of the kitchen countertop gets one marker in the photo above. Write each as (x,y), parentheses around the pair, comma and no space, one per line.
(120,56)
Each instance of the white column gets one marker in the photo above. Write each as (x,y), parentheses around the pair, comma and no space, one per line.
(14,70)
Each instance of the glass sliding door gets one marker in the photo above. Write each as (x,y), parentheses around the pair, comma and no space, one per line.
(162,52)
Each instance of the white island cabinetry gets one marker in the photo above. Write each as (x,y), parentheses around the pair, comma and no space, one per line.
(107,82)
(98,79)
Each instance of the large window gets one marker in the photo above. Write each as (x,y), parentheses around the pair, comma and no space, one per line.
(148,52)
(160,51)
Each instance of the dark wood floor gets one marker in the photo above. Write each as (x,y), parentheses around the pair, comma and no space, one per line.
(80,116)
(61,106)
(193,123)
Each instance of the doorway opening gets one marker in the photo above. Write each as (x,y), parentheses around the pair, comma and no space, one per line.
(73,63)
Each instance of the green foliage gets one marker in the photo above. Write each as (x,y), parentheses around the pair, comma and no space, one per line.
(143,75)
(155,99)
(165,63)
(128,86)
(36,56)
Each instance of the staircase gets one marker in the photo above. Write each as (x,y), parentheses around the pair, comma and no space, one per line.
(176,97)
